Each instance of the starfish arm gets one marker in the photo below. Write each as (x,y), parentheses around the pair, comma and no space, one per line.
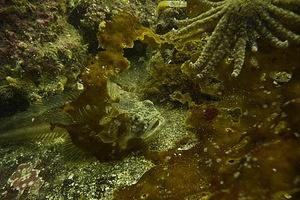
(197,24)
(279,28)
(239,55)
(204,15)
(191,34)
(266,34)
(286,2)
(283,13)
(212,3)
(212,43)
(217,55)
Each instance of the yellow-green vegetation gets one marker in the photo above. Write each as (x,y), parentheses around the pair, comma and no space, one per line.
(114,36)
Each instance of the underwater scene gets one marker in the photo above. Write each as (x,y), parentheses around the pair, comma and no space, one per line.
(150,100)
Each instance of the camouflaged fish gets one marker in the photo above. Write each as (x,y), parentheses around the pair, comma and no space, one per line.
(117,126)
(129,120)
(126,119)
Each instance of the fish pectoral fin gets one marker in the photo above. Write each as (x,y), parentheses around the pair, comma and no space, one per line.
(72,153)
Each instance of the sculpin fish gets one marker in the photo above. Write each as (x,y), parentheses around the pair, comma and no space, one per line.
(130,120)
(114,123)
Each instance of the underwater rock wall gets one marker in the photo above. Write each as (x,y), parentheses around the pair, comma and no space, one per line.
(206,111)
(41,53)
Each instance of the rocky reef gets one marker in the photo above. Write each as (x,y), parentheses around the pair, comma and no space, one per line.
(41,53)
(130,100)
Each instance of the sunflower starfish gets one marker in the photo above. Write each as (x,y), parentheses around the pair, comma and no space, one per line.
(237,24)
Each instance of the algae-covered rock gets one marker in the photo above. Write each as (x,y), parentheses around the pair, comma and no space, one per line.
(39,46)
(50,175)
(89,16)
